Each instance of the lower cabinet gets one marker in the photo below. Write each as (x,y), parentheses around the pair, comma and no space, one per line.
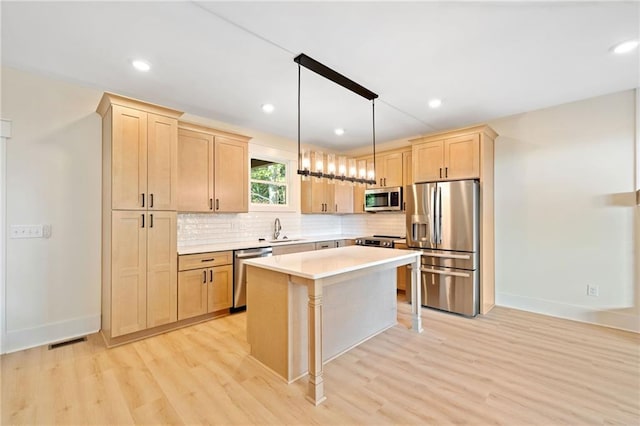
(293,248)
(322,245)
(403,274)
(205,283)
(139,287)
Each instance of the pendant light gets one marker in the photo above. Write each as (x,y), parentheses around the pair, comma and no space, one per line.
(340,173)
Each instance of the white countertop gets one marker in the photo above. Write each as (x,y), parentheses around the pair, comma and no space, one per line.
(205,248)
(325,263)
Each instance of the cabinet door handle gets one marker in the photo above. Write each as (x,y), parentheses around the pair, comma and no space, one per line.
(404,205)
(211,275)
(151,220)
(142,199)
(204,277)
(440,171)
(142,220)
(210,203)
(446,172)
(336,207)
(217,204)
(208,260)
(150,200)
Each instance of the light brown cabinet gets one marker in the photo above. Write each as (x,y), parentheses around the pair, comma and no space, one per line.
(143,159)
(139,232)
(212,170)
(143,271)
(447,159)
(388,170)
(293,248)
(343,197)
(407,168)
(402,273)
(323,245)
(317,196)
(205,284)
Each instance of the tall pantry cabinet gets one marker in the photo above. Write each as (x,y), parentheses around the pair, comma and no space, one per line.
(139,201)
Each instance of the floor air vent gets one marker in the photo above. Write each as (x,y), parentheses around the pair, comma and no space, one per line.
(68,342)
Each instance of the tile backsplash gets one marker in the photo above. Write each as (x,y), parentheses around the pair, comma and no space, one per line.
(194,229)
(375,224)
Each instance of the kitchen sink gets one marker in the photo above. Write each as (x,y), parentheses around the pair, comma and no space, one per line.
(285,241)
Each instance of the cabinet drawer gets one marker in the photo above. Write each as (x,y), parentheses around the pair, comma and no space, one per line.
(325,245)
(204,260)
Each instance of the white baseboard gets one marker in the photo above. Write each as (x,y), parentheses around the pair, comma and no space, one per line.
(606,318)
(50,333)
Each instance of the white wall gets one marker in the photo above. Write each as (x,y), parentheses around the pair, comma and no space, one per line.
(565,211)
(53,177)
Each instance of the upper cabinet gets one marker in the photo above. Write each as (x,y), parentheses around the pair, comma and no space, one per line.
(212,170)
(388,167)
(317,196)
(322,196)
(231,175)
(343,197)
(449,156)
(407,168)
(140,145)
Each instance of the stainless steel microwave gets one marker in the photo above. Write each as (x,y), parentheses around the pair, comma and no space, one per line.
(383,199)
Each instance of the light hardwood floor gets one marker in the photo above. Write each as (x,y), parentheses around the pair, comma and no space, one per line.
(508,367)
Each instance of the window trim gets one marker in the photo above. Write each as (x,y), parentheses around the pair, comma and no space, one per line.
(287,158)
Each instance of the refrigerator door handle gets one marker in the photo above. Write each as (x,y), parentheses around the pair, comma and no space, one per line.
(437,215)
(447,256)
(433,238)
(436,271)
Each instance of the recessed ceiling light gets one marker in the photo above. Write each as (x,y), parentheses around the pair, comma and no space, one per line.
(339,132)
(625,46)
(268,108)
(141,65)
(435,103)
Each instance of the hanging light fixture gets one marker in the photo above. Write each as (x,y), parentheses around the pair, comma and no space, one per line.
(304,165)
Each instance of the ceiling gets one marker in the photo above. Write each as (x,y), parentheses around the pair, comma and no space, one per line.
(223,60)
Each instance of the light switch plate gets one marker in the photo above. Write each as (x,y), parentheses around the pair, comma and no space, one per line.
(30,231)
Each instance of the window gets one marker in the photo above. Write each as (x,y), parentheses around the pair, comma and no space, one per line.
(269,183)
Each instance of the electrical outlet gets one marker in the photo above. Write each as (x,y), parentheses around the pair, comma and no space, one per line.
(593,290)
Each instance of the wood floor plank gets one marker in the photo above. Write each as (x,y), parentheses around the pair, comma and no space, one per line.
(507,367)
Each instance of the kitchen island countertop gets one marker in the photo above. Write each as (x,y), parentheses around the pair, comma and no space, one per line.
(326,263)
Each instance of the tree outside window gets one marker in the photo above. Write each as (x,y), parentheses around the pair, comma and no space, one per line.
(268,182)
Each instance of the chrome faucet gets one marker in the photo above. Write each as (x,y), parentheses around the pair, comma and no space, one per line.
(276,229)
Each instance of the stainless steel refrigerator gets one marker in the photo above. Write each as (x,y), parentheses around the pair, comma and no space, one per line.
(442,221)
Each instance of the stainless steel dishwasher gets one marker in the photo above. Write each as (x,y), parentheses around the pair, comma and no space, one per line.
(240,273)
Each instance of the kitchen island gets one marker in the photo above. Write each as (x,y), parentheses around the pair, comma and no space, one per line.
(304,309)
